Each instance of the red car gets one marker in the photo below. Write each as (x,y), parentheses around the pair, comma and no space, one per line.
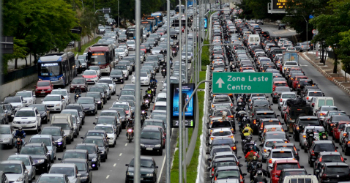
(90,76)
(279,165)
(143,48)
(338,128)
(296,81)
(43,87)
(278,83)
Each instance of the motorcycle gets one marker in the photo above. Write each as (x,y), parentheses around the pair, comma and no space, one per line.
(19,144)
(252,166)
(143,116)
(309,138)
(76,96)
(130,134)
(163,72)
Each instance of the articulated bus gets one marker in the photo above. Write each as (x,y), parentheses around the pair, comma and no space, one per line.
(130,33)
(148,25)
(159,16)
(154,20)
(59,68)
(102,55)
(177,9)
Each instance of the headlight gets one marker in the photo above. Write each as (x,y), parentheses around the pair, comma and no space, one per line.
(39,161)
(94,159)
(19,179)
(32,121)
(149,175)
(50,152)
(158,145)
(142,145)
(83,177)
(57,104)
(130,173)
(91,108)
(30,101)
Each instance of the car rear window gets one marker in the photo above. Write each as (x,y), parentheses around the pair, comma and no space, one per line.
(315,94)
(282,154)
(294,173)
(337,170)
(222,141)
(301,180)
(309,121)
(281,166)
(266,115)
(221,124)
(275,136)
(222,133)
(331,158)
(324,147)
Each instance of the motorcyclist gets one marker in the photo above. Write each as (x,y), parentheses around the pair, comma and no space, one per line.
(77,90)
(144,106)
(224,116)
(247,131)
(149,91)
(20,134)
(129,125)
(251,163)
(259,176)
(321,134)
(250,155)
(153,82)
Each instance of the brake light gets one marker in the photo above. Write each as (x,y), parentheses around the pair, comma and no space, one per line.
(307,98)
(297,127)
(342,159)
(265,150)
(320,160)
(231,136)
(254,121)
(212,138)
(215,178)
(241,179)
(304,136)
(233,148)
(312,152)
(280,100)
(270,160)
(324,175)
(212,171)
(348,142)
(322,114)
(344,134)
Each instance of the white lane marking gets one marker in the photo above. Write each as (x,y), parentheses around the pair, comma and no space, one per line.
(161,170)
(120,154)
(115,164)
(126,144)
(107,177)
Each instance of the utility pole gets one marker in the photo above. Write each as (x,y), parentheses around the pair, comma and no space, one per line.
(118,13)
(137,129)
(180,98)
(168,100)
(186,45)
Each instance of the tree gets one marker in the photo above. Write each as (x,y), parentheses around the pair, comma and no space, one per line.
(330,26)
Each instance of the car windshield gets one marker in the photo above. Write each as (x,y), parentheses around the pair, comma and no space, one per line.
(328,147)
(25,114)
(43,84)
(52,98)
(62,125)
(225,149)
(145,163)
(30,150)
(78,155)
(261,103)
(116,72)
(315,94)
(107,129)
(24,159)
(12,99)
(150,135)
(94,94)
(159,107)
(62,170)
(341,118)
(331,158)
(89,73)
(89,148)
(221,133)
(85,101)
(228,174)
(24,94)
(51,131)
(222,141)
(281,166)
(99,134)
(5,130)
(125,107)
(127,92)
(98,142)
(106,120)
(51,179)
(11,168)
(153,123)
(329,109)
(59,92)
(119,50)
(221,124)
(46,141)
(275,136)
(78,81)
(282,154)
(337,170)
(81,166)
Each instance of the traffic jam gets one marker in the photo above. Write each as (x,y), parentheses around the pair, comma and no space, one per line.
(93,104)
(289,135)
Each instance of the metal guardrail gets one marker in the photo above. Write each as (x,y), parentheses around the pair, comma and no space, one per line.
(202,166)
(18,74)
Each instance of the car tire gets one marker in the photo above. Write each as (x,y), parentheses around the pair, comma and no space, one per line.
(161,152)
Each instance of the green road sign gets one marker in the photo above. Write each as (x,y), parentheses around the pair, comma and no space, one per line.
(242,82)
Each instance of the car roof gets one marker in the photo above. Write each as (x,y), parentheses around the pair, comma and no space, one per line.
(52,175)
(19,155)
(27,108)
(67,165)
(151,128)
(11,161)
(336,164)
(280,149)
(329,153)
(286,161)
(228,168)
(160,103)
(34,144)
(74,160)
(76,150)
(224,159)
(305,117)
(293,169)
(94,137)
(41,136)
(86,144)
(221,129)
(323,141)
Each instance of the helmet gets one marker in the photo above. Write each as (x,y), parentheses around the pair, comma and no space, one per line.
(259,165)
(20,128)
(259,173)
(255,158)
(251,148)
(247,125)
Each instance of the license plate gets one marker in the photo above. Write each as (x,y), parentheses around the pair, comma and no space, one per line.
(311,135)
(141,178)
(42,92)
(149,149)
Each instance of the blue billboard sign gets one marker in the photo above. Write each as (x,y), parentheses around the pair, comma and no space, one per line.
(205,22)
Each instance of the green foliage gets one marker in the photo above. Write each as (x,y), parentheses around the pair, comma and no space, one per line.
(205,53)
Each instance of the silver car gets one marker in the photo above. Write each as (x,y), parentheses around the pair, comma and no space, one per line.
(109,81)
(15,171)
(267,146)
(285,96)
(6,136)
(131,44)
(28,162)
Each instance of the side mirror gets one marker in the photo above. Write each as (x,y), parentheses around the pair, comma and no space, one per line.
(244,174)
(60,159)
(313,105)
(336,147)
(82,138)
(94,123)
(345,159)
(301,166)
(209,159)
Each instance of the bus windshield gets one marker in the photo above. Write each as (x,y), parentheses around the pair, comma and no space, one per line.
(98,58)
(50,69)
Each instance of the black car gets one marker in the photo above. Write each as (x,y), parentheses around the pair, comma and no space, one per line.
(101,90)
(334,172)
(320,146)
(151,139)
(57,134)
(149,170)
(88,104)
(80,109)
(303,121)
(98,98)
(117,76)
(10,111)
(325,157)
(291,171)
(101,143)
(258,115)
(40,155)
(94,154)
(219,162)
(44,112)
(278,91)
(84,169)
(76,154)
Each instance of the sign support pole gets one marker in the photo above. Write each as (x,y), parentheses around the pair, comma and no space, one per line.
(168,108)
(180,97)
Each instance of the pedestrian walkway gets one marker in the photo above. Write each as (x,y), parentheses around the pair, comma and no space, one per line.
(341,79)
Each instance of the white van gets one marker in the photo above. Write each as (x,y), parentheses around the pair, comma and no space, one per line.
(300,179)
(321,101)
(254,39)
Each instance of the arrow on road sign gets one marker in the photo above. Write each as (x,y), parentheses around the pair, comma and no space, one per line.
(220,82)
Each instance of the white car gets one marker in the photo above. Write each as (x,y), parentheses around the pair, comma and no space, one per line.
(125,47)
(285,96)
(221,132)
(54,102)
(97,69)
(28,118)
(144,78)
(64,93)
(110,82)
(111,133)
(121,52)
(131,44)
(161,97)
(16,102)
(28,97)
